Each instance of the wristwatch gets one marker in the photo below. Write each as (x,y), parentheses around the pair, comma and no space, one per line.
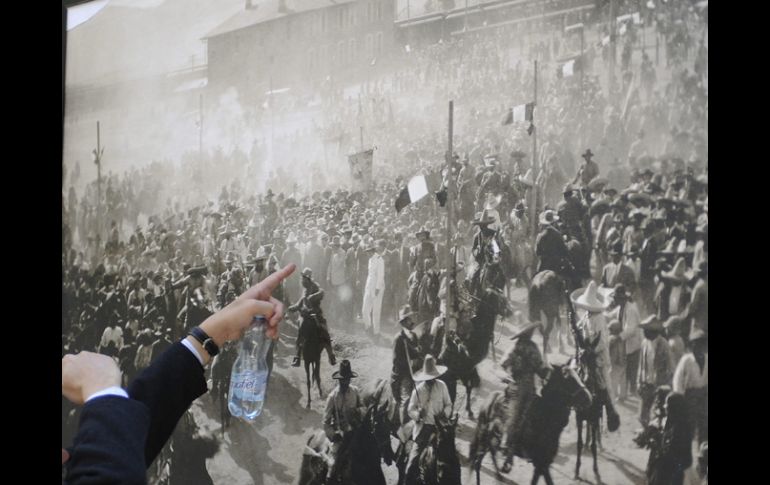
(211,347)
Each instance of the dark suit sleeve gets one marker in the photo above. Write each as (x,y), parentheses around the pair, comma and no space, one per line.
(109,446)
(167,387)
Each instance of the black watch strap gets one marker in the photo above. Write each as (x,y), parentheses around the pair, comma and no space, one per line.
(198,334)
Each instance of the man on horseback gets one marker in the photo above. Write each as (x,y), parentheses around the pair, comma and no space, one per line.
(309,307)
(429,401)
(523,362)
(591,326)
(343,415)
(407,357)
(485,248)
(550,247)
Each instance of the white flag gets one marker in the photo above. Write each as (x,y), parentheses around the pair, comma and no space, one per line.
(568,69)
(418,188)
(519,112)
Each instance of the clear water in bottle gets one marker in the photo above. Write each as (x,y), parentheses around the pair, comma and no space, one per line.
(248,380)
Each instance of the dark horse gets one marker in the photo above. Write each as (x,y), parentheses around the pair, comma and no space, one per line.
(589,372)
(311,355)
(359,459)
(438,463)
(220,377)
(544,421)
(466,347)
(592,416)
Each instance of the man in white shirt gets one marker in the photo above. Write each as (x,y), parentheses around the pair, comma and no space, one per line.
(375,285)
(113,333)
(691,378)
(430,400)
(626,312)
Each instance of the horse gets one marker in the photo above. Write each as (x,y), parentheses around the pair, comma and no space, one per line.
(311,356)
(462,350)
(438,463)
(592,416)
(315,460)
(220,377)
(545,296)
(358,461)
(544,421)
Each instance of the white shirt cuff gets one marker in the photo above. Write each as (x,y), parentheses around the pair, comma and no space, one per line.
(110,391)
(192,349)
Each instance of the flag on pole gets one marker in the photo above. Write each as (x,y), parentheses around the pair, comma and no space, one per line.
(361,167)
(416,189)
(522,112)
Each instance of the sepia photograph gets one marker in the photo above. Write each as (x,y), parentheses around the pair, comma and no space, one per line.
(370,242)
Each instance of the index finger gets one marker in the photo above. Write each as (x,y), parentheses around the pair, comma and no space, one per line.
(270,283)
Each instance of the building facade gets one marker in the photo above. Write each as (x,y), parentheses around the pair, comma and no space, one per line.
(275,44)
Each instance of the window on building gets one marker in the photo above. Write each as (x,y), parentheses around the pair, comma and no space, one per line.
(341,52)
(352,50)
(368,45)
(368,12)
(378,43)
(311,59)
(323,21)
(341,17)
(379,11)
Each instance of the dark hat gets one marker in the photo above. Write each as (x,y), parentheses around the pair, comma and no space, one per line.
(405,313)
(424,231)
(588,154)
(651,323)
(345,372)
(548,217)
(197,271)
(617,248)
(483,219)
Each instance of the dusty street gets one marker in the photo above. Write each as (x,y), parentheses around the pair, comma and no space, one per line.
(270,451)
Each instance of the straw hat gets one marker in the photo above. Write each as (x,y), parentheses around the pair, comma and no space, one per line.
(589,298)
(429,370)
(548,217)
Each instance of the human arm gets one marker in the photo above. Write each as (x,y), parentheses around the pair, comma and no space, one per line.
(110,440)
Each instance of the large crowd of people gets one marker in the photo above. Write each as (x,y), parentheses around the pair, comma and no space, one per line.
(621,200)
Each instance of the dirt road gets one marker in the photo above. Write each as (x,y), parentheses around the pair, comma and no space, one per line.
(270,451)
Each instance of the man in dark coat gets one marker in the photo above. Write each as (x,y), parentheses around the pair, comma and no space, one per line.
(309,307)
(549,246)
(407,359)
(523,362)
(423,250)
(588,171)
(571,214)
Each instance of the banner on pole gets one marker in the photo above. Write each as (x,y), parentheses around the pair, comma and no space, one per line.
(361,167)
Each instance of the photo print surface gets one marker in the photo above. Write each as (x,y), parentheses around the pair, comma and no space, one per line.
(498,211)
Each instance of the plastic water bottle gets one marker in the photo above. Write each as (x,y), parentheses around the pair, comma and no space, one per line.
(248,380)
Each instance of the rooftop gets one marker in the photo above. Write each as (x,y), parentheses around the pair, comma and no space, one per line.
(269,10)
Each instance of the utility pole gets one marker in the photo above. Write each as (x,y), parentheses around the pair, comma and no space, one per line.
(98,161)
(535,172)
(451,263)
(613,38)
